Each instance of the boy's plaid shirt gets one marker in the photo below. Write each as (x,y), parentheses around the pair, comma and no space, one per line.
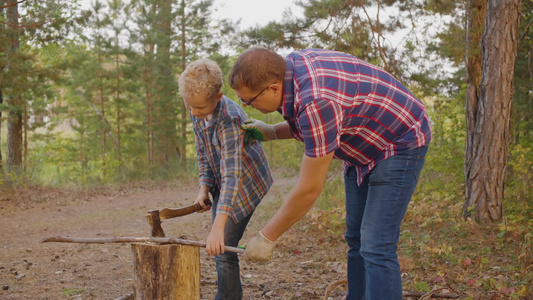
(239,170)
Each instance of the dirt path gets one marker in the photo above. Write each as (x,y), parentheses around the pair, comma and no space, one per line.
(30,270)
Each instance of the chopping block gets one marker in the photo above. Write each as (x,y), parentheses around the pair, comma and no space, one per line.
(170,272)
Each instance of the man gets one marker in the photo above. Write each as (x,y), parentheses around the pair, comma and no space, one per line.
(341,107)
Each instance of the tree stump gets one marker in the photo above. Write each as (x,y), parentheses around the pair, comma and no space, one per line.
(170,272)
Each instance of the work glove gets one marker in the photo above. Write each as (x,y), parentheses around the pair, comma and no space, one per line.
(258,130)
(259,248)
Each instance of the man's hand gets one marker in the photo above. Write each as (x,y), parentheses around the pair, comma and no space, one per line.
(259,248)
(258,130)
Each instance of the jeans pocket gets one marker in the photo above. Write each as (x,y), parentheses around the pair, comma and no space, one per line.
(420,160)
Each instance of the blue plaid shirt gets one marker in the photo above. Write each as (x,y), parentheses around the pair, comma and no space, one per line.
(239,170)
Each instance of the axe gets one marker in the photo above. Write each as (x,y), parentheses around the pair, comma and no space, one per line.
(155,216)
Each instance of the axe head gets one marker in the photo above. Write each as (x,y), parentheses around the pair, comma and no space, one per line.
(155,216)
(155,223)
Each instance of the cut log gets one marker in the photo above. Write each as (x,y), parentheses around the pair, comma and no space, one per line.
(166,272)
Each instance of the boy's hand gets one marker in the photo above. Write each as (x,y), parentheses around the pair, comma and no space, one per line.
(215,242)
(258,130)
(259,248)
(201,199)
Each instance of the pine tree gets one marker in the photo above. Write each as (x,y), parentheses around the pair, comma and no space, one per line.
(354,27)
(2,66)
(14,100)
(490,135)
(24,77)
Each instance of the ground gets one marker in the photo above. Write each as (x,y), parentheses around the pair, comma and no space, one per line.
(301,269)
(437,254)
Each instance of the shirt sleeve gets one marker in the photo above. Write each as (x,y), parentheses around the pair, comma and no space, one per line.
(321,124)
(230,164)
(206,175)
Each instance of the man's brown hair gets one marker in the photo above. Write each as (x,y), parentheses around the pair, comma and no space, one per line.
(257,67)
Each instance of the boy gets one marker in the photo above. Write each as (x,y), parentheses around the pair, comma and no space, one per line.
(235,173)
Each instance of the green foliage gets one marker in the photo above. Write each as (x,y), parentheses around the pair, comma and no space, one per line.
(520,174)
(69,292)
(523,87)
(442,176)
(110,111)
(285,154)
(422,286)
(354,27)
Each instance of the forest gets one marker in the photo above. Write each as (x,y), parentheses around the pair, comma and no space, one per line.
(89,99)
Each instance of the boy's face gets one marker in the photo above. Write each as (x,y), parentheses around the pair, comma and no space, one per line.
(200,105)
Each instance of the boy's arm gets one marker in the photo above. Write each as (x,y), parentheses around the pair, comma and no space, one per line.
(215,240)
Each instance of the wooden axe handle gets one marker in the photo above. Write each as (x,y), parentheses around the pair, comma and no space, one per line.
(169,213)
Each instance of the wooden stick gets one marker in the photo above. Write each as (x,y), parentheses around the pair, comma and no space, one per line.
(428,295)
(126,297)
(155,240)
(332,285)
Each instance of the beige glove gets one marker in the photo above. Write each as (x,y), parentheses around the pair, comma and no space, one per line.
(259,248)
(258,130)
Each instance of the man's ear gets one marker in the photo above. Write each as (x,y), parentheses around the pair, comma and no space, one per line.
(276,86)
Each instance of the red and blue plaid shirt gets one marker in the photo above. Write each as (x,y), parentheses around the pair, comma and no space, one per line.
(240,170)
(335,102)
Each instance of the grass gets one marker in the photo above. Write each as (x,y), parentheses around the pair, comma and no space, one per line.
(68,292)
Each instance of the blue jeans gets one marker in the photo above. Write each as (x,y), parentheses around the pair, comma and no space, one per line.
(374,212)
(228,272)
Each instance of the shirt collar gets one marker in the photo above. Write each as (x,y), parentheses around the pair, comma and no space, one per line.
(287,106)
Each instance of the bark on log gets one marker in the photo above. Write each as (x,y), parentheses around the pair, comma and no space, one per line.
(166,272)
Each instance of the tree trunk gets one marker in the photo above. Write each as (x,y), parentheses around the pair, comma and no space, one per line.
(489,112)
(25,128)
(102,101)
(476,12)
(169,272)
(14,121)
(149,123)
(117,104)
(2,50)
(1,102)
(167,120)
(183,111)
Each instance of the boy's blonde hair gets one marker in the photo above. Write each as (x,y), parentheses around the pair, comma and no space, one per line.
(257,67)
(202,75)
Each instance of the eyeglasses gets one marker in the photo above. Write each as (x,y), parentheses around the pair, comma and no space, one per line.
(249,102)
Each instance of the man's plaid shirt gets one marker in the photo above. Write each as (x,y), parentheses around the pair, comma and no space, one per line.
(335,102)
